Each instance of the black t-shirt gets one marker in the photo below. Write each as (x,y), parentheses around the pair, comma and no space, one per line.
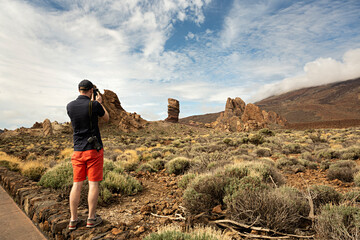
(78,111)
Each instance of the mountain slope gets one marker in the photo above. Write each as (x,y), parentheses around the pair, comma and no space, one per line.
(335,101)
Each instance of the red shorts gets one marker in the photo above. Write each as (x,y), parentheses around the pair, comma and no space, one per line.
(88,163)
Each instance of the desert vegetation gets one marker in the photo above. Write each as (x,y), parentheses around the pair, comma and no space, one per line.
(289,182)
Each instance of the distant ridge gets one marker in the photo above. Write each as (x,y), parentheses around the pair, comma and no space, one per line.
(331,105)
(330,102)
(205,118)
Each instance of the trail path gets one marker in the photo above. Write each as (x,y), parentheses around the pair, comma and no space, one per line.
(14,224)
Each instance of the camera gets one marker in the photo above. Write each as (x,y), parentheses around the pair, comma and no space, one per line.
(95,92)
(94,142)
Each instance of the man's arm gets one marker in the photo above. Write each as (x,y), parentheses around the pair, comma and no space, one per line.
(105,118)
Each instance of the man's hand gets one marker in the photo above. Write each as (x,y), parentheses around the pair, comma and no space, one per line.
(99,98)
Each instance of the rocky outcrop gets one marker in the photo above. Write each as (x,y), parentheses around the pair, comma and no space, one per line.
(241,117)
(127,122)
(47,128)
(37,125)
(173,110)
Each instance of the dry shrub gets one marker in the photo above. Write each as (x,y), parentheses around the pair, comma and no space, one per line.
(280,209)
(357,179)
(145,167)
(292,148)
(263,152)
(322,194)
(262,169)
(10,162)
(208,190)
(338,222)
(33,170)
(328,153)
(343,170)
(173,232)
(204,161)
(128,160)
(157,164)
(352,153)
(186,180)
(290,164)
(204,193)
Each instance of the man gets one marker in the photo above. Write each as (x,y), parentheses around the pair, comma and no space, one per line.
(87,159)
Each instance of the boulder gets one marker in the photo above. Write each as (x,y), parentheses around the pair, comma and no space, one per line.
(173,110)
(127,122)
(47,128)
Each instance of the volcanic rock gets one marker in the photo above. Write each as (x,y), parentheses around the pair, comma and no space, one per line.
(241,117)
(173,110)
(127,122)
(37,125)
(47,128)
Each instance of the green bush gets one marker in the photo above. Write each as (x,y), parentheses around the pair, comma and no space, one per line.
(338,222)
(58,177)
(121,183)
(177,165)
(322,194)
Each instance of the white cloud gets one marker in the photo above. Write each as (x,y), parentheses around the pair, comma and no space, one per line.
(321,71)
(45,52)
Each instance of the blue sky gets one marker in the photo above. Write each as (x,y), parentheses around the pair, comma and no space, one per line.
(197,51)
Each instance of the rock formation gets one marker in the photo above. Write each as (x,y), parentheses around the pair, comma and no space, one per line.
(47,128)
(37,125)
(241,117)
(125,121)
(173,110)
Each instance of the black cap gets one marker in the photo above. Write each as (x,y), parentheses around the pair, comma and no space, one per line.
(85,85)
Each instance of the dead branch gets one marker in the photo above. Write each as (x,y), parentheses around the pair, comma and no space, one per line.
(169,217)
(259,229)
(250,235)
(273,181)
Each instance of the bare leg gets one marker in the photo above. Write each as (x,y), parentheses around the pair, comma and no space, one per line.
(93,198)
(75,199)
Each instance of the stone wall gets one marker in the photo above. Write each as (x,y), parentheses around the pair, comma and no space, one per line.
(48,209)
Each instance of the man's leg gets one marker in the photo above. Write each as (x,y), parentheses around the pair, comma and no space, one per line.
(75,199)
(93,198)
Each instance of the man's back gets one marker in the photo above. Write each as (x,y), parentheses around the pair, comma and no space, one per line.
(78,111)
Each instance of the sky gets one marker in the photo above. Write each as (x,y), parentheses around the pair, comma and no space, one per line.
(197,51)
